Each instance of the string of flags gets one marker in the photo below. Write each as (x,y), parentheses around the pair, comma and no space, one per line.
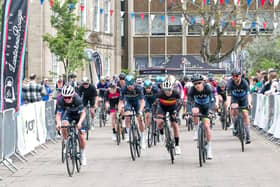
(172,18)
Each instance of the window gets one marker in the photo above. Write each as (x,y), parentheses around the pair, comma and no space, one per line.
(158,24)
(265,17)
(107,65)
(194,27)
(174,25)
(122,5)
(96,16)
(158,61)
(141,62)
(250,23)
(122,32)
(107,16)
(141,25)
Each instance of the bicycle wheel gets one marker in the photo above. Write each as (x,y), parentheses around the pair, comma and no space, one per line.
(70,157)
(78,154)
(62,151)
(169,143)
(131,143)
(241,133)
(118,132)
(155,133)
(137,140)
(150,135)
(87,126)
(200,146)
(100,117)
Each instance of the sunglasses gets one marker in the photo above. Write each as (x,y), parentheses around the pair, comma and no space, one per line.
(197,83)
(235,76)
(148,88)
(85,84)
(67,98)
(168,89)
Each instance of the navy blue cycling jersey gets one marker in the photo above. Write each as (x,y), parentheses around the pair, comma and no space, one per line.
(201,98)
(102,88)
(74,109)
(131,96)
(151,97)
(238,91)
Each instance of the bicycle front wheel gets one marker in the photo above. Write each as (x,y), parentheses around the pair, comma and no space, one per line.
(200,146)
(131,143)
(78,154)
(70,157)
(169,144)
(118,133)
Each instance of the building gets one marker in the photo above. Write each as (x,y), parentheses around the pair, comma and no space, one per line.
(99,17)
(156,33)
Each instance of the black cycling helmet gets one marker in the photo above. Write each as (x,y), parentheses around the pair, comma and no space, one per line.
(112,85)
(236,71)
(122,76)
(197,77)
(186,78)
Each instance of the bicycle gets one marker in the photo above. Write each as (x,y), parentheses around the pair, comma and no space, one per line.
(102,114)
(239,126)
(73,149)
(88,121)
(169,140)
(118,126)
(153,133)
(224,117)
(134,137)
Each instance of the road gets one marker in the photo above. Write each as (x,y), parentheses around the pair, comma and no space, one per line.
(111,165)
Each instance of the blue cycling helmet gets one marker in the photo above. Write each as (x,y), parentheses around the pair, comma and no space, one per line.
(129,80)
(148,83)
(162,79)
(157,79)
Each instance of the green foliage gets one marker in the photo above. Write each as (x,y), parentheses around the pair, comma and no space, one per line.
(68,44)
(126,71)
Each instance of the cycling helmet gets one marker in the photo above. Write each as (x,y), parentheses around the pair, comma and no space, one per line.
(186,78)
(67,90)
(139,81)
(102,78)
(85,80)
(197,77)
(129,80)
(210,77)
(122,76)
(157,79)
(236,71)
(162,79)
(112,85)
(107,78)
(167,84)
(172,79)
(147,83)
(222,84)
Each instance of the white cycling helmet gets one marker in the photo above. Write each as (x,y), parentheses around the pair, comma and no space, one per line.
(67,91)
(172,79)
(167,84)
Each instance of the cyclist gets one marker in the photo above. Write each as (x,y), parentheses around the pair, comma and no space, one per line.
(139,82)
(238,96)
(132,96)
(158,81)
(187,87)
(169,100)
(150,93)
(88,94)
(71,105)
(201,95)
(121,82)
(221,91)
(102,86)
(112,98)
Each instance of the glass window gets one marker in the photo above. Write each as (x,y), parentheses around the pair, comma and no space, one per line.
(107,16)
(174,25)
(158,24)
(194,27)
(96,16)
(107,65)
(158,61)
(141,26)
(141,62)
(265,17)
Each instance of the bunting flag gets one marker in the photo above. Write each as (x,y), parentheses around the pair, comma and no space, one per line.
(227,1)
(254,24)
(215,1)
(249,2)
(235,2)
(142,16)
(162,17)
(275,24)
(204,2)
(262,3)
(264,24)
(202,21)
(172,18)
(223,23)
(192,20)
(41,1)
(208,2)
(276,2)
(82,8)
(111,12)
(132,14)
(221,2)
(101,10)
(71,6)
(233,23)
(13,45)
(51,3)
(170,1)
(271,2)
(193,1)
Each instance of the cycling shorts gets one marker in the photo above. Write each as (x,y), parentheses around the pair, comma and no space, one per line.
(163,110)
(203,109)
(68,117)
(128,105)
(241,102)
(91,101)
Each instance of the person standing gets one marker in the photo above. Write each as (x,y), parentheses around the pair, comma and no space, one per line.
(33,91)
(47,91)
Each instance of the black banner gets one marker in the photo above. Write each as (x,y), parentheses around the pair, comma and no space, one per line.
(98,64)
(14,27)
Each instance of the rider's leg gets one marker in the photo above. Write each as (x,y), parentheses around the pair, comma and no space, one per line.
(195,112)
(64,130)
(147,118)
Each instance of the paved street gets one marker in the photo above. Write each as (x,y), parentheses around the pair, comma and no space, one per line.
(111,165)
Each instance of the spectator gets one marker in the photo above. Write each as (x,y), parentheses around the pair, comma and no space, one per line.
(265,83)
(32,92)
(244,76)
(74,82)
(255,88)
(273,81)
(24,83)
(59,83)
(47,90)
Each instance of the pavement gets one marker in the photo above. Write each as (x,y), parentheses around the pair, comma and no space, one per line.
(111,165)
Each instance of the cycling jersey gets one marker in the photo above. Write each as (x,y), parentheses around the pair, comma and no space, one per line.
(112,98)
(102,88)
(73,110)
(150,98)
(222,92)
(238,91)
(131,97)
(88,94)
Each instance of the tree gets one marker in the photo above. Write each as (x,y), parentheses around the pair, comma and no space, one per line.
(68,44)
(217,19)
(263,53)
